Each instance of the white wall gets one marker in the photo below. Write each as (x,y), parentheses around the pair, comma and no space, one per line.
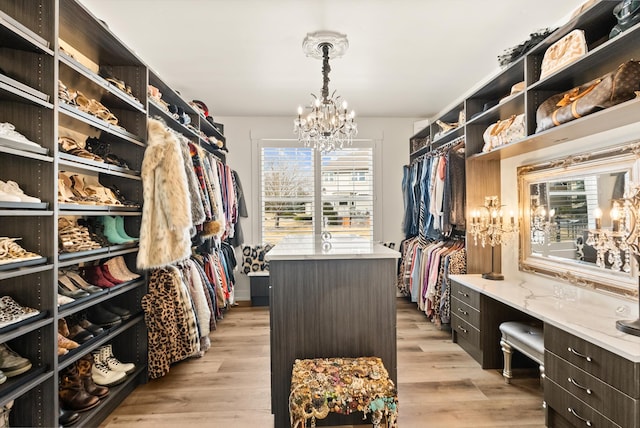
(242,134)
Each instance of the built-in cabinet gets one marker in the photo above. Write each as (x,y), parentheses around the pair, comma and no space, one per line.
(42,43)
(518,89)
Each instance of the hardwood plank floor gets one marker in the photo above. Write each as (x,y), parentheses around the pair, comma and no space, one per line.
(439,385)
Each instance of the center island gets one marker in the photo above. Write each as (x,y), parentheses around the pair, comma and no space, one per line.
(326,302)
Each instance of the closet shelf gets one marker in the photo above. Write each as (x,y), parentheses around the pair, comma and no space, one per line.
(96,255)
(82,164)
(75,354)
(97,123)
(104,295)
(24,271)
(513,105)
(16,35)
(116,94)
(93,210)
(22,264)
(26,211)
(209,129)
(17,386)
(110,402)
(449,136)
(171,122)
(20,149)
(170,96)
(613,117)
(27,326)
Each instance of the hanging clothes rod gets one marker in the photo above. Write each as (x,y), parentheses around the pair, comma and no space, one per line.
(439,150)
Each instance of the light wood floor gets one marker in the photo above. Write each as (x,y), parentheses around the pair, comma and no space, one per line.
(439,385)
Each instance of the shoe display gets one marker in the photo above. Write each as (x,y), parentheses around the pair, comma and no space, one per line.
(11,363)
(71,391)
(8,132)
(66,344)
(102,374)
(68,417)
(73,237)
(4,414)
(95,276)
(102,317)
(12,188)
(11,252)
(79,281)
(125,314)
(7,197)
(3,377)
(118,267)
(82,321)
(68,288)
(110,230)
(79,334)
(64,300)
(106,355)
(85,365)
(11,312)
(107,274)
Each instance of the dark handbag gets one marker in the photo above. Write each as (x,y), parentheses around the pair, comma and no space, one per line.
(613,88)
(627,13)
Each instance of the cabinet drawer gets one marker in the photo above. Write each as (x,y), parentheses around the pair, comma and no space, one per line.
(465,330)
(465,312)
(611,368)
(610,402)
(571,409)
(465,294)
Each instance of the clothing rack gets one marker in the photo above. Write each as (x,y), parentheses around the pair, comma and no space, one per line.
(440,150)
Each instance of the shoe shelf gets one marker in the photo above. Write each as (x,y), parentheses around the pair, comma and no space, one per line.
(20,385)
(7,274)
(18,36)
(117,393)
(70,259)
(17,148)
(512,105)
(11,93)
(93,210)
(108,335)
(23,327)
(106,294)
(71,162)
(98,123)
(32,211)
(113,95)
(22,264)
(171,122)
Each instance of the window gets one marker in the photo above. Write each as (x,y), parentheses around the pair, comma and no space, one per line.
(302,189)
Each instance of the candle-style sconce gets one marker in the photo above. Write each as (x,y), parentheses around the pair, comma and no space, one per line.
(489,225)
(543,225)
(616,245)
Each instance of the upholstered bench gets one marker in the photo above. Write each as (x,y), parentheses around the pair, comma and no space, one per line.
(525,337)
(342,385)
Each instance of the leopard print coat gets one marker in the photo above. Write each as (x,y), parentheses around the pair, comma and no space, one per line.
(169,327)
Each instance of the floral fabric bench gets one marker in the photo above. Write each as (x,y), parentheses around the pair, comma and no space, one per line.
(342,385)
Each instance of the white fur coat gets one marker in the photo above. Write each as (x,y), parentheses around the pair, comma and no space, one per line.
(166,212)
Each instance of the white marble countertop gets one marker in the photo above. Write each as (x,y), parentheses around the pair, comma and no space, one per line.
(309,247)
(584,313)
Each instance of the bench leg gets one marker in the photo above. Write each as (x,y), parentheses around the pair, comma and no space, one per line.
(506,351)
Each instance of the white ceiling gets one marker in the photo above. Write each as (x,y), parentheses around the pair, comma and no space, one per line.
(407,58)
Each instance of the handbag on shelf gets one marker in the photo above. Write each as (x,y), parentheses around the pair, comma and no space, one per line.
(504,132)
(627,12)
(563,52)
(613,88)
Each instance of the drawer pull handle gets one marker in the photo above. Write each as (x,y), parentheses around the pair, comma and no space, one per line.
(463,312)
(463,293)
(587,390)
(578,354)
(586,421)
(463,329)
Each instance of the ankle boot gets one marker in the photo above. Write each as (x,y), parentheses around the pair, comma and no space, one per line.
(107,274)
(84,370)
(120,229)
(94,275)
(72,393)
(110,231)
(113,363)
(102,375)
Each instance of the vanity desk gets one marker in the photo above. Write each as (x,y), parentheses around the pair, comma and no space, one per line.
(337,302)
(592,370)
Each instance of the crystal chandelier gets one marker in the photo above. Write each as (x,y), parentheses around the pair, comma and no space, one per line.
(328,126)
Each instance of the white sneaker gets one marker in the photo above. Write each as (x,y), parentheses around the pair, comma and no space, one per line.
(8,131)
(6,197)
(12,188)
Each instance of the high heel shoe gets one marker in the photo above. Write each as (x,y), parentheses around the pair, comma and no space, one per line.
(79,282)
